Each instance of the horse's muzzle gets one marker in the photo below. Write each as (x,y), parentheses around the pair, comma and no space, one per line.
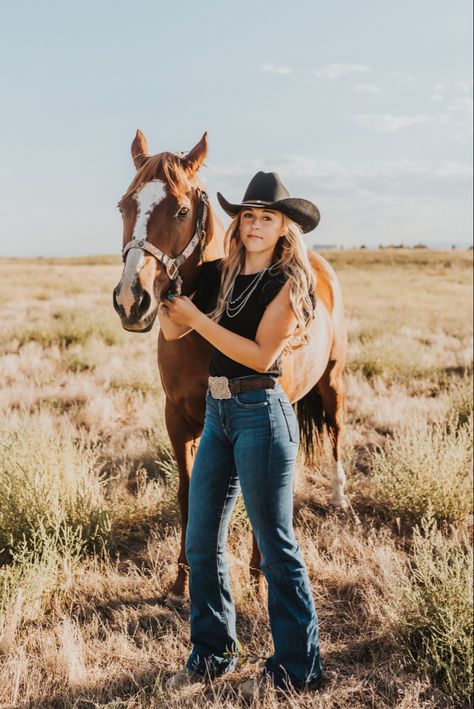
(142,312)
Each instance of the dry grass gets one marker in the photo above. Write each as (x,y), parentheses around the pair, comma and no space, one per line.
(88,517)
(430,607)
(426,467)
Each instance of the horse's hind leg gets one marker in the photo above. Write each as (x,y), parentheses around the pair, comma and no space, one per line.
(256,574)
(331,388)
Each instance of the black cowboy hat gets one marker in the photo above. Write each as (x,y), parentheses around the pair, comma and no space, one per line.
(267,191)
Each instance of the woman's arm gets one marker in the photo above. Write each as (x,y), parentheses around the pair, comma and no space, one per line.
(275,329)
(171,330)
(207,282)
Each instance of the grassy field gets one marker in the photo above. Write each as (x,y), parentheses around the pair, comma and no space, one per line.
(88,515)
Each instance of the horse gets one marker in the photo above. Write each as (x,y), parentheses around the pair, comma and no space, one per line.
(169,231)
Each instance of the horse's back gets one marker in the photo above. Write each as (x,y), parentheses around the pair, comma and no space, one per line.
(328,292)
(328,342)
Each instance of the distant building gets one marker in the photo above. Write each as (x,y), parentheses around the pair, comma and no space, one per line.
(324,247)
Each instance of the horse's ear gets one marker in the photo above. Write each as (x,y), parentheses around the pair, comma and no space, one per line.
(139,149)
(195,158)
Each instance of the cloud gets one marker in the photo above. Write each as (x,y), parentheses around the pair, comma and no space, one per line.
(369,88)
(404,78)
(387,123)
(439,91)
(273,69)
(465,86)
(335,175)
(368,202)
(462,110)
(459,108)
(337,71)
(463,103)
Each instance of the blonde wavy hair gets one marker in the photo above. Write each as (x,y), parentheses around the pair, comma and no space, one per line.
(290,258)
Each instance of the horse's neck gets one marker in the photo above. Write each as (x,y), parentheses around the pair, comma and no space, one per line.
(214,248)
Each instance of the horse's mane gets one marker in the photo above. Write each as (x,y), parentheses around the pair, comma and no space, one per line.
(168,167)
(164,166)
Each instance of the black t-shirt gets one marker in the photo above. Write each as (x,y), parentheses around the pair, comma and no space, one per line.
(246,322)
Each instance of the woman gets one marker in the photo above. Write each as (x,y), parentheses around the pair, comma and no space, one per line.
(251,306)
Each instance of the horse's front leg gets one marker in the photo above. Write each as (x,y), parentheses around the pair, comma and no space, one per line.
(184,436)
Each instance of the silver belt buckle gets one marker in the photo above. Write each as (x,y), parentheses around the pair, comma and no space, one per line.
(219,388)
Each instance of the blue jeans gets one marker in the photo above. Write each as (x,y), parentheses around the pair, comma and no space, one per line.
(249,441)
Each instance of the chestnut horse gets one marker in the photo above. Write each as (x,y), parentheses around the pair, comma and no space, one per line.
(169,230)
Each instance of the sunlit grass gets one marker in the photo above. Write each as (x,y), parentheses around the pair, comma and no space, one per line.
(48,484)
(426,466)
(88,494)
(430,609)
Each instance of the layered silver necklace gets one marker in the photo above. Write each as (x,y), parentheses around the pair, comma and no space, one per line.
(235,305)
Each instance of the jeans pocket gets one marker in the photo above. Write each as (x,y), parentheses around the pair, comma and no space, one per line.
(290,420)
(252,399)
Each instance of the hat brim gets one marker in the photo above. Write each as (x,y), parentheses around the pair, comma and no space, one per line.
(302,211)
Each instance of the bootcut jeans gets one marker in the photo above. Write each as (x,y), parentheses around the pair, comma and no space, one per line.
(249,442)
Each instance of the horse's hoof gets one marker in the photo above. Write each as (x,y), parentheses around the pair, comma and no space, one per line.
(339,503)
(178,590)
(175,602)
(175,597)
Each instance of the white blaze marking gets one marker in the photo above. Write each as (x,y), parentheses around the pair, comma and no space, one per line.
(151,194)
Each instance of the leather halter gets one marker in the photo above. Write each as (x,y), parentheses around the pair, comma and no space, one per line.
(170,263)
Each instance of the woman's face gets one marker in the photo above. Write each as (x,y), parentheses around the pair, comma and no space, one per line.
(260,229)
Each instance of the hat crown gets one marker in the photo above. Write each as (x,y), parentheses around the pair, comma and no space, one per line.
(265,187)
(267,191)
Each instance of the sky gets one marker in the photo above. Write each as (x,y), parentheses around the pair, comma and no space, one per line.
(365,108)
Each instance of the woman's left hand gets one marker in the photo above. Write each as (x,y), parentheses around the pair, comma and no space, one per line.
(182,310)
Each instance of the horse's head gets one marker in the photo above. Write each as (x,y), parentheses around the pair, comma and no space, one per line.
(166,225)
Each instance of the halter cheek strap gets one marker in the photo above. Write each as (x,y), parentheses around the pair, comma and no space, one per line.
(171,263)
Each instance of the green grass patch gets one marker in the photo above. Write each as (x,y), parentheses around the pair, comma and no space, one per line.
(395,358)
(69,327)
(438,259)
(430,609)
(426,467)
(49,486)
(38,567)
(86,357)
(461,407)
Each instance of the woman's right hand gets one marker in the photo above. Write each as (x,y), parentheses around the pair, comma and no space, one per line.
(163,310)
(170,329)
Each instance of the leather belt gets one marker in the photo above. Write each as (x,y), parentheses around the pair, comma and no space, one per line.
(223,388)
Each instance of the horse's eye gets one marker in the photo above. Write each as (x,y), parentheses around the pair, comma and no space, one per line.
(183,212)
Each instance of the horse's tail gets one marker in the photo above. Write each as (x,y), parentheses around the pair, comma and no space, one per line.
(312,420)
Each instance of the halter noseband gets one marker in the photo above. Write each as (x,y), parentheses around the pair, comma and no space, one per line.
(170,263)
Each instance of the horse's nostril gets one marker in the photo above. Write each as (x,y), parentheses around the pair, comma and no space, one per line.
(114,298)
(144,303)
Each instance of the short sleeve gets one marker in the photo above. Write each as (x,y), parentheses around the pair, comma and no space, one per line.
(274,285)
(207,285)
(271,288)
